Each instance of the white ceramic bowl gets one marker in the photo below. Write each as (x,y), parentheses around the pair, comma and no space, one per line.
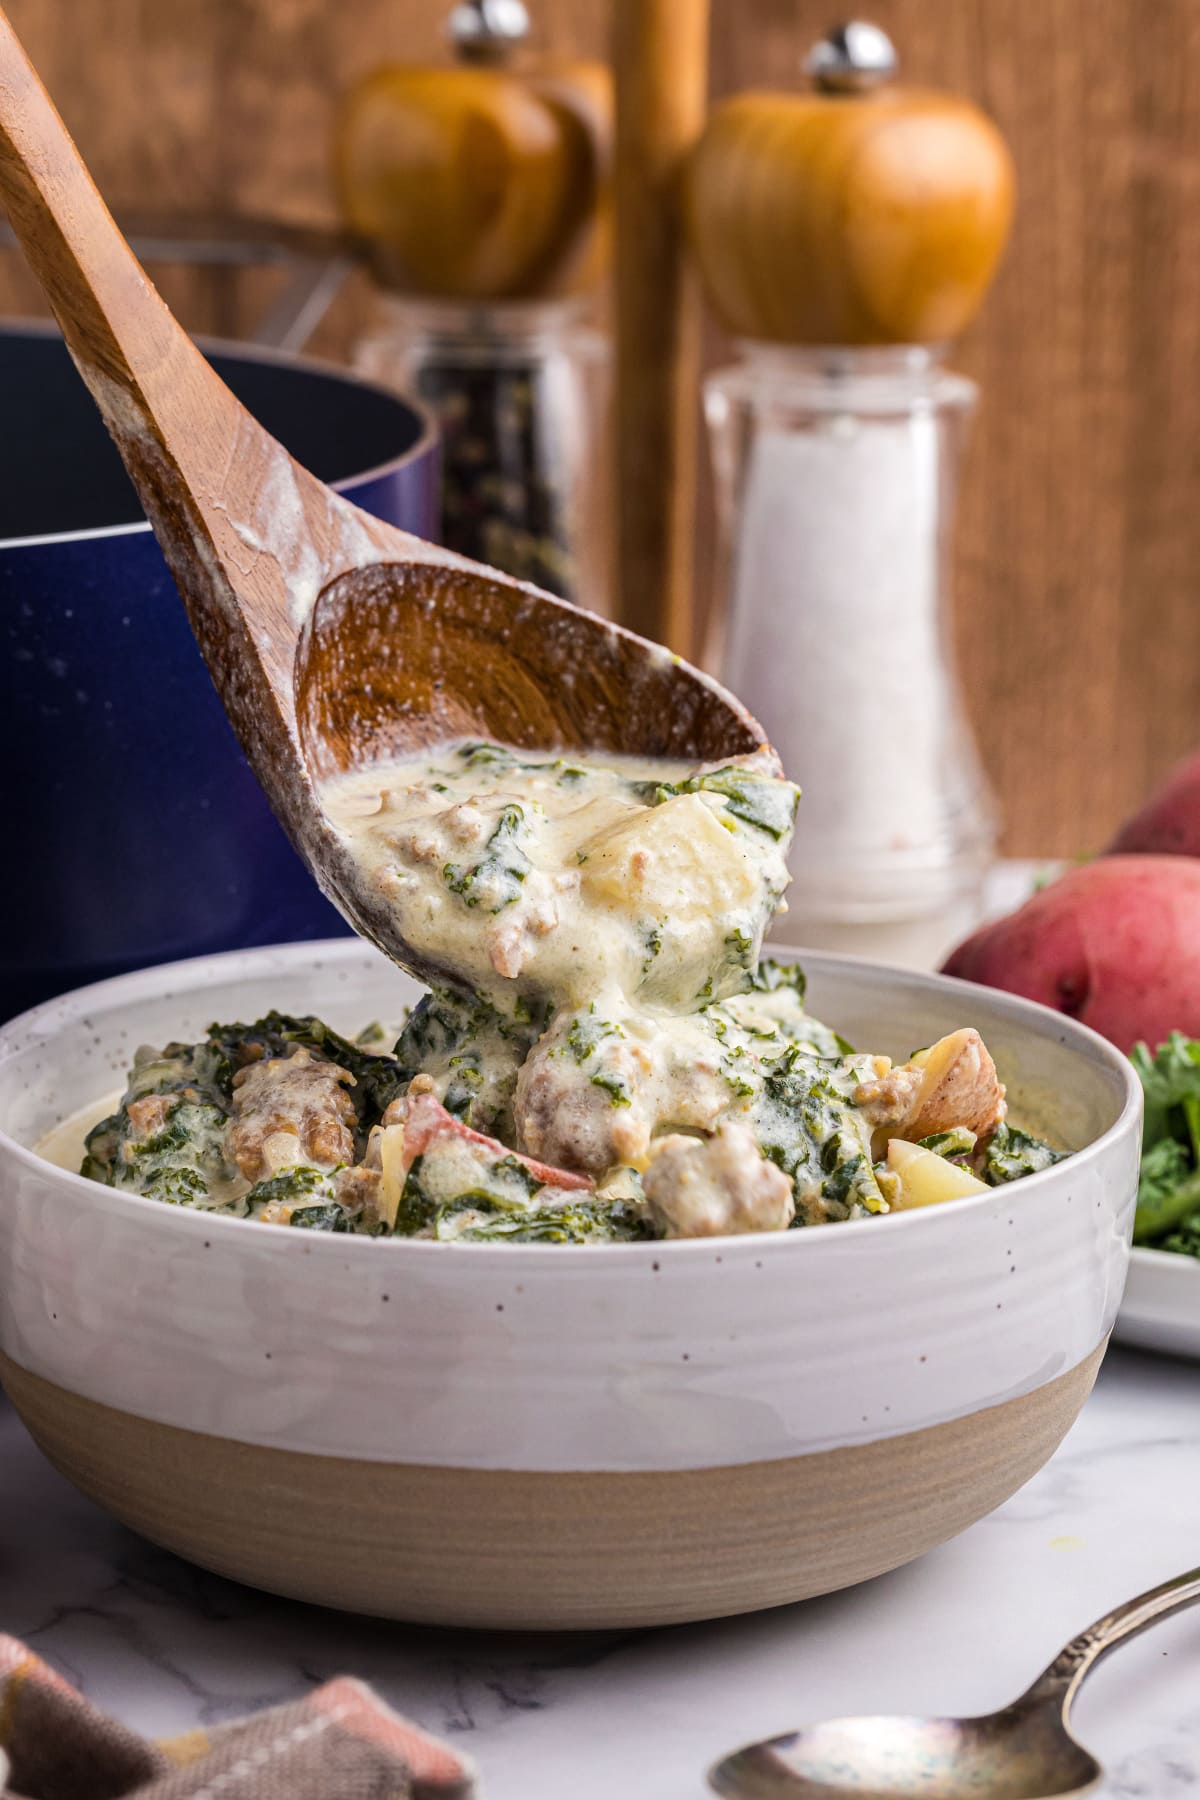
(553,1435)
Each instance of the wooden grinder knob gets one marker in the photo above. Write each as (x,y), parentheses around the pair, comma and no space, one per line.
(481,181)
(857,212)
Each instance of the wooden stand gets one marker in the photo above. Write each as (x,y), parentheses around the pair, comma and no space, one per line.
(660,60)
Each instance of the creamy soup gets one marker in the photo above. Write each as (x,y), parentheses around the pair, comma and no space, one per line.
(610,1057)
(568,879)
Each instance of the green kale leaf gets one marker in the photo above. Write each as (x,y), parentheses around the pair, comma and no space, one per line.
(771,975)
(1168,1190)
(302,1182)
(1012,1153)
(1170,1079)
(588,1031)
(500,873)
(955,1145)
(179,1163)
(764,801)
(330,1217)
(1185,1239)
(1169,1183)
(811,1129)
(574,1222)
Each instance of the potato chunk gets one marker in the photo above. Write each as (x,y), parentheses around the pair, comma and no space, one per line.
(923,1178)
(952,1083)
(676,859)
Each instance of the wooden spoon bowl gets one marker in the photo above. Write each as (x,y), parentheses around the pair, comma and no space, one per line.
(398,658)
(334,639)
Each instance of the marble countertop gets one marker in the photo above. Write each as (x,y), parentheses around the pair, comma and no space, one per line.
(640,1715)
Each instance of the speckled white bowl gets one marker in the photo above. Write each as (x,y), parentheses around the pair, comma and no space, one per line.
(541,1435)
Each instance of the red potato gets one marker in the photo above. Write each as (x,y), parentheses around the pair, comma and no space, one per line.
(1115,943)
(426,1121)
(1169,823)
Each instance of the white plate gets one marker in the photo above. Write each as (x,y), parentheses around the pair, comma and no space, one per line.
(1161,1308)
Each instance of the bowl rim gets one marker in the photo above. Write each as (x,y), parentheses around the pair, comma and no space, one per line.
(15,1032)
(235,350)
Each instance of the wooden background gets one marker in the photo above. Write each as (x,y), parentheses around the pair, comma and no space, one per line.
(1079,532)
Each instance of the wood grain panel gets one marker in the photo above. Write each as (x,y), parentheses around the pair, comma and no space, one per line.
(1079,528)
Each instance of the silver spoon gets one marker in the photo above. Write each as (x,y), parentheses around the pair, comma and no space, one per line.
(1025,1752)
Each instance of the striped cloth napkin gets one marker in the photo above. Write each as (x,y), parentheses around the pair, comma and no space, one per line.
(341,1740)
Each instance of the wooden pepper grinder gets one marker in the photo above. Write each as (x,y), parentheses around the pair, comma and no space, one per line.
(843,235)
(479,192)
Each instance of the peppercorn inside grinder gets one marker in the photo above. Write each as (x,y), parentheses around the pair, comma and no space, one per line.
(479,193)
(844,234)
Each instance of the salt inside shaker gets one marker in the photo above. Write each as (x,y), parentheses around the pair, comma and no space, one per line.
(843,234)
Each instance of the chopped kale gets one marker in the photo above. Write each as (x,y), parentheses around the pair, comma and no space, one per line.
(438,1025)
(499,757)
(1170,1079)
(417,1208)
(739,949)
(736,1068)
(614,1085)
(767,803)
(801,1028)
(764,801)
(302,1182)
(810,1128)
(509,1185)
(652,938)
(955,1145)
(1169,1185)
(484,755)
(179,1163)
(466,1081)
(193,1071)
(498,876)
(330,1217)
(1012,1153)
(578,1222)
(770,976)
(1185,1239)
(374,1037)
(1168,1190)
(472,1050)
(588,1031)
(512,1169)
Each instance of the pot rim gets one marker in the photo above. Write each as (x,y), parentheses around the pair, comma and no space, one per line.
(240,351)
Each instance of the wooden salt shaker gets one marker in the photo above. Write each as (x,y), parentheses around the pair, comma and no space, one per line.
(844,234)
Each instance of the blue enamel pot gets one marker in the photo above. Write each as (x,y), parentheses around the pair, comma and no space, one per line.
(134,831)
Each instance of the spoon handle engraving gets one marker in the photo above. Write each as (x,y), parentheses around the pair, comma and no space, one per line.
(1063,1678)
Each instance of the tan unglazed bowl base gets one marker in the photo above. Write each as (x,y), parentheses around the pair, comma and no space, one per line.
(546,1551)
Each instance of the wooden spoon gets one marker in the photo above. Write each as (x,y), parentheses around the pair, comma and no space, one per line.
(334,640)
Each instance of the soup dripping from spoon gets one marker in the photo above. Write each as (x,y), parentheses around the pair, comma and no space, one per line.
(334,639)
